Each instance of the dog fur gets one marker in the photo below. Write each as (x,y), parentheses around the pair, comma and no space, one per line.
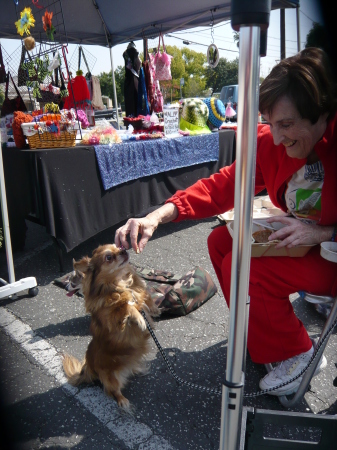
(114,295)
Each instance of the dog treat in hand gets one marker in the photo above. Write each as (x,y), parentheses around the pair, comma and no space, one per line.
(261,236)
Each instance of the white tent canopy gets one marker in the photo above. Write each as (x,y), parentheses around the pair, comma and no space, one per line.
(108,23)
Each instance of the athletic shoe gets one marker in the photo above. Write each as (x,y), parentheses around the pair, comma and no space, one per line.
(288,369)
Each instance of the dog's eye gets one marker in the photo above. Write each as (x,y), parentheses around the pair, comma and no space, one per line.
(109,257)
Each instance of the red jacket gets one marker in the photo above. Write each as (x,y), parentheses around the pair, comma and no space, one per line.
(215,195)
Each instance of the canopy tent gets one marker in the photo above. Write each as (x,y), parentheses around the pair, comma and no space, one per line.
(106,23)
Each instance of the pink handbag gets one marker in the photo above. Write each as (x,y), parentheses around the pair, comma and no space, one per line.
(162,62)
(158,98)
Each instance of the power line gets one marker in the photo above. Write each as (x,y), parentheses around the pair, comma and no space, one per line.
(198,43)
(307,16)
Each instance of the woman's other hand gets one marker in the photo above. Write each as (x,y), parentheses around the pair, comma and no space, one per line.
(295,232)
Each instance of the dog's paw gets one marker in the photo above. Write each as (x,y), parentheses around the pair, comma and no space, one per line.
(123,402)
(141,323)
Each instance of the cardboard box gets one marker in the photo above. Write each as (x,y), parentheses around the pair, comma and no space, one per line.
(269,249)
(262,208)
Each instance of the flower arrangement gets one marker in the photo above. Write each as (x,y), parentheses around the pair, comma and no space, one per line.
(25,22)
(47,25)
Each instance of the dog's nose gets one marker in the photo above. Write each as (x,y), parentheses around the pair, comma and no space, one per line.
(122,250)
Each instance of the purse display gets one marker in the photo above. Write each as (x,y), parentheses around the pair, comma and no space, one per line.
(13,104)
(162,63)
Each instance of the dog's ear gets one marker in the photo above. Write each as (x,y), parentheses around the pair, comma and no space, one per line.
(82,265)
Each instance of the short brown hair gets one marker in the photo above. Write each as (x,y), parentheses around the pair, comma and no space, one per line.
(305,78)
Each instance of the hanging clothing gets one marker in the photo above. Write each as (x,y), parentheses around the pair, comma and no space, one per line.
(81,97)
(132,68)
(142,101)
(96,99)
(149,85)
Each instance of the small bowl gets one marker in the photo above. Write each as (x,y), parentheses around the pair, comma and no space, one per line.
(329,251)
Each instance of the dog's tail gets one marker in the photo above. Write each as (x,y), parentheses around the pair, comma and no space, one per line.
(77,372)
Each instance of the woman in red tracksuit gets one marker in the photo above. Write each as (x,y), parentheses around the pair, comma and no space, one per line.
(297,164)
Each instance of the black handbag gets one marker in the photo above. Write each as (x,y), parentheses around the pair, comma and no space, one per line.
(13,104)
(2,69)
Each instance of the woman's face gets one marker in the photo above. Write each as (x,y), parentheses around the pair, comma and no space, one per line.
(298,135)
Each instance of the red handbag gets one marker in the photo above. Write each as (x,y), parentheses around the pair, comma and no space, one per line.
(13,104)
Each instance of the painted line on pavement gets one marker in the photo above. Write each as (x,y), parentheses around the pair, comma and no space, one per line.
(123,425)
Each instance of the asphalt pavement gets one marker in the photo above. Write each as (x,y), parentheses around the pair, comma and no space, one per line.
(41,410)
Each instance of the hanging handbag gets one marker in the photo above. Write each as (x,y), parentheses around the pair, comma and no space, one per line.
(163,63)
(22,73)
(13,104)
(2,69)
(158,103)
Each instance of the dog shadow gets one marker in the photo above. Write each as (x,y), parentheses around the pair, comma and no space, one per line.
(78,326)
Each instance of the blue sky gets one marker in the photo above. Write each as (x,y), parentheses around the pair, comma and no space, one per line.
(223,38)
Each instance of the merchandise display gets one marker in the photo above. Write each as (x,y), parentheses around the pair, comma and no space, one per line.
(18,120)
(101,134)
(216,110)
(194,116)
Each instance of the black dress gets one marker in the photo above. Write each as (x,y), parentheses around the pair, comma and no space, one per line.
(132,67)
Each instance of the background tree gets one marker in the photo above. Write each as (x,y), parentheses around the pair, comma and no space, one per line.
(107,86)
(317,37)
(226,72)
(2,95)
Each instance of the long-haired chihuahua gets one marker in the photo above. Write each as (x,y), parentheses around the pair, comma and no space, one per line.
(114,295)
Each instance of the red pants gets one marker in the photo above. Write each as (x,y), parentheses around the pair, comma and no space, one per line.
(274,331)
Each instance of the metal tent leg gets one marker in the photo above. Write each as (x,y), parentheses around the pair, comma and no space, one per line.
(13,287)
(248,18)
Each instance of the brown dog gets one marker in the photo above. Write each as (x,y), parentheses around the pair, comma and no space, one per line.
(114,295)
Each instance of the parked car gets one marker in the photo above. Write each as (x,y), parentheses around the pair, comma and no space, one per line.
(230,94)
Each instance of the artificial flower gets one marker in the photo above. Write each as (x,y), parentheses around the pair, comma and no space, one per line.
(47,25)
(25,22)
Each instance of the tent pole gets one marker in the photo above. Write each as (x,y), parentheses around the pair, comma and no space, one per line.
(232,391)
(298,28)
(250,26)
(114,86)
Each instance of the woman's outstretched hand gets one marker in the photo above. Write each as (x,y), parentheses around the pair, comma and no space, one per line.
(134,227)
(144,227)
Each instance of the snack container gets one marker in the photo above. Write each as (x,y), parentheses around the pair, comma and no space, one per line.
(329,251)
(268,249)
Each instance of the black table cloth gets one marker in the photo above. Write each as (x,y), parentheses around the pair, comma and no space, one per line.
(66,191)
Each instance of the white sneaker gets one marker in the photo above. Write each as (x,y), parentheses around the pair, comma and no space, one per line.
(288,369)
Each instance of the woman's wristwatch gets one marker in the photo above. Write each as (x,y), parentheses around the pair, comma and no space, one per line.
(334,234)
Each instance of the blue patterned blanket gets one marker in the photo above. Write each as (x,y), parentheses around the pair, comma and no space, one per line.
(130,160)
